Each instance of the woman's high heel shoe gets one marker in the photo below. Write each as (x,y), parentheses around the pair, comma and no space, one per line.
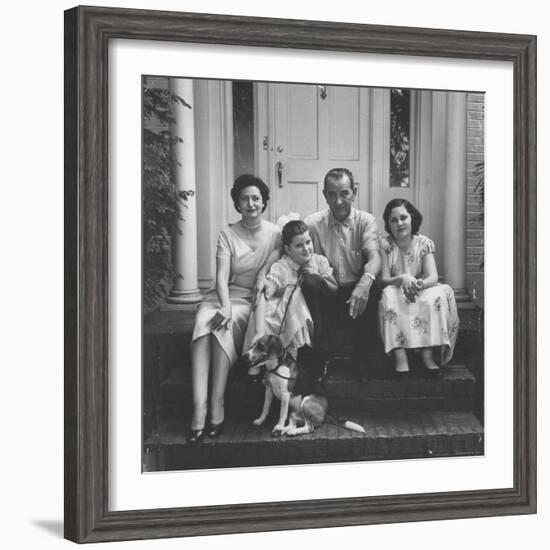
(436,374)
(215,430)
(195,436)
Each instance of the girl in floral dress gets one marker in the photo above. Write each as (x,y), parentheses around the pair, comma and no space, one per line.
(415,311)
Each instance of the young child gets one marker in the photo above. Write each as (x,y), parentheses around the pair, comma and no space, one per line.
(282,308)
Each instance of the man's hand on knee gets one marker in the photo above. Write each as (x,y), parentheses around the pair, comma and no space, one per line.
(359,297)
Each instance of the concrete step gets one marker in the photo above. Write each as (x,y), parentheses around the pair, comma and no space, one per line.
(395,435)
(167,338)
(456,391)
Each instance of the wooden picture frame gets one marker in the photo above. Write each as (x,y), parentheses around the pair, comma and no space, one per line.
(87,34)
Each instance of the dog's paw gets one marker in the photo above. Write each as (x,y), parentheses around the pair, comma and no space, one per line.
(258,421)
(277,431)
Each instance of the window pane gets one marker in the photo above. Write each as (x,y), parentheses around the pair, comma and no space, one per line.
(243,127)
(400,125)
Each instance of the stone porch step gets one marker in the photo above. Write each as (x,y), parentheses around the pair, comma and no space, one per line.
(456,391)
(394,435)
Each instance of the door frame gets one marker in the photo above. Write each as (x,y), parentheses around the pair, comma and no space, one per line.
(377,147)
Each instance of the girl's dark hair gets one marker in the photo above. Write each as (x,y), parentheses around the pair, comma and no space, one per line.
(248,180)
(416,216)
(292,229)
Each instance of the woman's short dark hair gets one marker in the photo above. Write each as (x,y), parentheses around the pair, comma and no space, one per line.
(248,180)
(292,229)
(416,216)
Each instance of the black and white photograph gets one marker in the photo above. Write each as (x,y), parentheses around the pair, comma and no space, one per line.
(312,273)
(273,275)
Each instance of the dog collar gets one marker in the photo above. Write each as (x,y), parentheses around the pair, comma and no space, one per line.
(274,371)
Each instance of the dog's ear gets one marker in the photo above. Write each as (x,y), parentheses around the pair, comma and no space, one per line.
(275,346)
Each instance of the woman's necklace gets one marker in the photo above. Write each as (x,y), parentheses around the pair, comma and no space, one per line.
(252,228)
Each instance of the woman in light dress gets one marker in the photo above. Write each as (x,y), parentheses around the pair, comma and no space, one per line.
(416,312)
(244,254)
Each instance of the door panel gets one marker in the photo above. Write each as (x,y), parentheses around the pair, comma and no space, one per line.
(344,123)
(314,129)
(302,122)
(303,196)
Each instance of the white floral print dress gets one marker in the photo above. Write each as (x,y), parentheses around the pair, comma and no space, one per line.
(431,321)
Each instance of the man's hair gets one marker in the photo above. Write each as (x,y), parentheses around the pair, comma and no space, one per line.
(338,174)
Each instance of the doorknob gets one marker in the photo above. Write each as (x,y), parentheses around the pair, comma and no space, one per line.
(279,169)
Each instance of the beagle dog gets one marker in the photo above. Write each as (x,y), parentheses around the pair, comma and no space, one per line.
(303,400)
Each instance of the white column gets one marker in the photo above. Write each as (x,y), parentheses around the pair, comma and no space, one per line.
(184,241)
(454,257)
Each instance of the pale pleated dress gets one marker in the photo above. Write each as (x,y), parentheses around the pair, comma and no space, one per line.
(245,264)
(431,321)
(296,329)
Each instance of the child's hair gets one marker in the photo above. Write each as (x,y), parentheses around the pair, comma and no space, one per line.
(292,229)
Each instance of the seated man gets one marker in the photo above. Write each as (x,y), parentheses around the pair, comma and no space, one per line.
(348,238)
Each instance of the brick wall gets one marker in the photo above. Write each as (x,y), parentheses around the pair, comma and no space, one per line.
(474,226)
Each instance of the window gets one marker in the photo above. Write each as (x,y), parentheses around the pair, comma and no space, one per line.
(400,128)
(243,127)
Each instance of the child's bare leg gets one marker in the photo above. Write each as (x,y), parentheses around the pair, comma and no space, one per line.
(427,359)
(401,362)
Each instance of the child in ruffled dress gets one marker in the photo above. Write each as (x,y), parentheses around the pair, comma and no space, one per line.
(282,308)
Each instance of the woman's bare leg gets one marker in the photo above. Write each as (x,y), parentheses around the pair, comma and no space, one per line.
(200,365)
(427,358)
(401,362)
(220,371)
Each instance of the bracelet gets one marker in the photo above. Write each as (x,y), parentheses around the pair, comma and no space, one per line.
(370,275)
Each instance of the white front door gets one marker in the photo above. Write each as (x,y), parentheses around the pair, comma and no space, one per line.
(311,129)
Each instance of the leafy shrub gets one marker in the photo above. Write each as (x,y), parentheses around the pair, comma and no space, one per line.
(162,202)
